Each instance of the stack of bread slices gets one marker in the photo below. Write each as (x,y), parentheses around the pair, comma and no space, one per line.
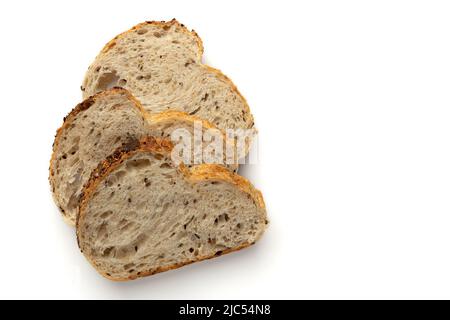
(137,209)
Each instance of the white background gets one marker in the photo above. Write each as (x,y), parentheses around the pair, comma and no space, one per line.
(352,101)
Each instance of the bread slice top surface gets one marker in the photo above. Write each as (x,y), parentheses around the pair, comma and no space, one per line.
(140,214)
(160,63)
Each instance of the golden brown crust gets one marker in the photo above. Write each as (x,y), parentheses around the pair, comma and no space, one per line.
(163,25)
(196,174)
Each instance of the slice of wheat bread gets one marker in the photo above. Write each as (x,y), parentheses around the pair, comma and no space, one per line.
(98,126)
(91,131)
(160,63)
(140,214)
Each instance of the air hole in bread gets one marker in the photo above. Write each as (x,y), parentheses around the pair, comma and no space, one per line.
(129,266)
(120,174)
(73,149)
(142,31)
(123,252)
(102,231)
(107,252)
(221,219)
(107,81)
(106,214)
(138,164)
(165,165)
(122,223)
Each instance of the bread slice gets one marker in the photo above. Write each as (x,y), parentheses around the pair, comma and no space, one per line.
(140,214)
(97,127)
(160,63)
(91,131)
